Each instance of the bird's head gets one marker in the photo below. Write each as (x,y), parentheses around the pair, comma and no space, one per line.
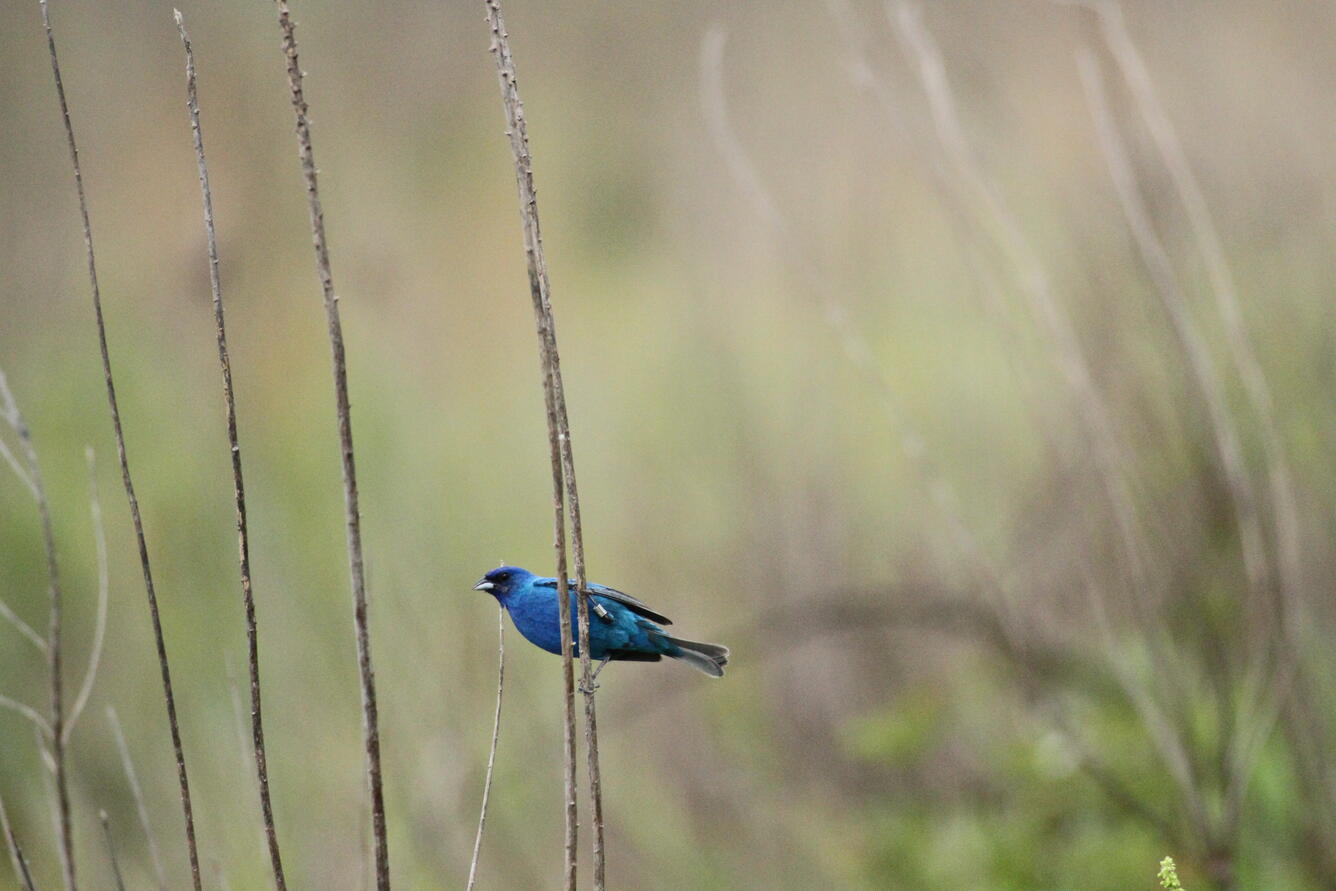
(502,580)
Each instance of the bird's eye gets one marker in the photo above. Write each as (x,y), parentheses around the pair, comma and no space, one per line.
(502,576)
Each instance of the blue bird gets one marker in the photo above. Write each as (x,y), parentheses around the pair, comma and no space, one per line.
(620,626)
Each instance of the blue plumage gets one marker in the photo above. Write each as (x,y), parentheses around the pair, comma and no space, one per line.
(620,626)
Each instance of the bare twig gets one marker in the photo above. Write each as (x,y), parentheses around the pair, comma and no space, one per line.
(138,794)
(137,521)
(10,410)
(370,719)
(582,586)
(540,289)
(103,592)
(111,850)
(496,735)
(16,857)
(238,485)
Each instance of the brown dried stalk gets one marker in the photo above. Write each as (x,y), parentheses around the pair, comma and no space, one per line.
(370,713)
(238,485)
(563,462)
(135,518)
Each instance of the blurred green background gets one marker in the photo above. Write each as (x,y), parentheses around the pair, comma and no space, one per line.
(827,426)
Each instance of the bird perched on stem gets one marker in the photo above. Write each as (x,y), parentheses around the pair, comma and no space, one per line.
(620,626)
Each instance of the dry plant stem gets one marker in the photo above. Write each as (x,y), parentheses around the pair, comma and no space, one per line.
(103,592)
(137,521)
(239,489)
(496,735)
(539,291)
(138,795)
(370,717)
(582,608)
(111,850)
(57,736)
(15,852)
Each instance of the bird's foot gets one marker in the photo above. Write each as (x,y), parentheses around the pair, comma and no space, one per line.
(589,689)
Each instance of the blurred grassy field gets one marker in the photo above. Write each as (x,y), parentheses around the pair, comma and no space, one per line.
(735,465)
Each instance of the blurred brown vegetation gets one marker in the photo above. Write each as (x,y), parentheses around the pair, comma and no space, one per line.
(983,572)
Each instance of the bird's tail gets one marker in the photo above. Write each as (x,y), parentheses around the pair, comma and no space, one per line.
(709,658)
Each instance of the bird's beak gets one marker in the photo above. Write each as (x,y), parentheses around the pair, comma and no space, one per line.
(483,585)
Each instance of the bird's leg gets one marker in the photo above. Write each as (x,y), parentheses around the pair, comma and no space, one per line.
(593,677)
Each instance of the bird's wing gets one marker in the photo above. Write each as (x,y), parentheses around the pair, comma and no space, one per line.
(626,600)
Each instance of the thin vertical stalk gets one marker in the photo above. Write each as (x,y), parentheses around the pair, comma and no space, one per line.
(582,607)
(238,484)
(496,735)
(370,714)
(14,418)
(135,517)
(559,442)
